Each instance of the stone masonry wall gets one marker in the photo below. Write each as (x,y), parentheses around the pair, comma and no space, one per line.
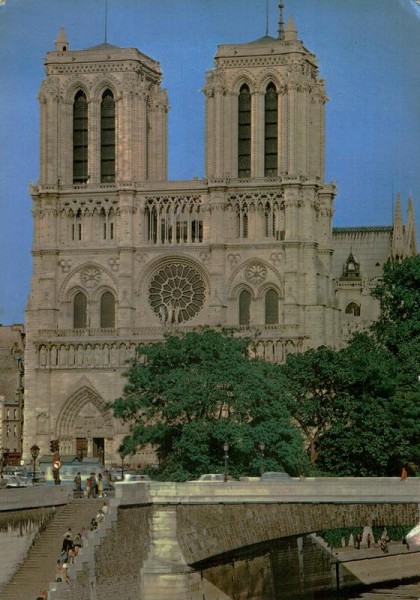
(207,531)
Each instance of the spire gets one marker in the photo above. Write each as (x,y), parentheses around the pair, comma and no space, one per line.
(61,43)
(410,230)
(398,232)
(290,32)
(281,22)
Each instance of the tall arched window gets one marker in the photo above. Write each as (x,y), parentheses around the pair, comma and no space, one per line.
(79,311)
(271,308)
(80,138)
(244,132)
(270,131)
(107,310)
(107,137)
(353,309)
(244,307)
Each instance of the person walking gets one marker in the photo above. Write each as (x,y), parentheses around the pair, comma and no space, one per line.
(404,474)
(78,484)
(100,486)
(358,540)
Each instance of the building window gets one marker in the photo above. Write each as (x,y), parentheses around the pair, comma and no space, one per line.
(271,308)
(353,309)
(80,138)
(244,308)
(107,137)
(244,132)
(270,131)
(107,310)
(79,311)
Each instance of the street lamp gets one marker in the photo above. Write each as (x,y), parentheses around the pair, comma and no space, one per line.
(226,450)
(35,454)
(262,448)
(123,454)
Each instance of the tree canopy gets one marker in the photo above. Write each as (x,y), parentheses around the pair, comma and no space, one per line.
(190,394)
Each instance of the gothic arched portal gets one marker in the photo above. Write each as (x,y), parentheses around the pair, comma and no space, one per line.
(84,424)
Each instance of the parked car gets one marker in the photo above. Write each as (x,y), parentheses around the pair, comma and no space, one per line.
(275,476)
(15,481)
(213,477)
(134,478)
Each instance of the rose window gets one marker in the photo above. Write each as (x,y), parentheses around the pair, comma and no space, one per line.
(177,293)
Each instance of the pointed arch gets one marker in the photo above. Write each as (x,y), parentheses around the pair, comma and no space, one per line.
(270,131)
(107,311)
(244,131)
(72,409)
(107,137)
(244,306)
(79,311)
(271,307)
(80,138)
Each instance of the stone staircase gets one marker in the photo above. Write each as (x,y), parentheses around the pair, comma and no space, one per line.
(38,568)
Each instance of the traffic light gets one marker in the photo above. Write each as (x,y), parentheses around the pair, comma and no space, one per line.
(54,446)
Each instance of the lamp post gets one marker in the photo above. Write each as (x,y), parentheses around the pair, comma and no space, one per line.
(35,454)
(226,450)
(123,454)
(262,448)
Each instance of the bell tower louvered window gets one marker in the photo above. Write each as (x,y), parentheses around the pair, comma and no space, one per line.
(80,138)
(244,307)
(270,131)
(107,310)
(80,311)
(244,132)
(271,308)
(107,137)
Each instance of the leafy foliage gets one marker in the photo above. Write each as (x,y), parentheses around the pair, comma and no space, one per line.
(191,393)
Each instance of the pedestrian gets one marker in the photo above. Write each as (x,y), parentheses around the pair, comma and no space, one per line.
(94,485)
(93,525)
(83,535)
(78,484)
(404,474)
(71,555)
(77,542)
(67,543)
(100,486)
(358,540)
(105,508)
(69,534)
(87,487)
(99,516)
(369,540)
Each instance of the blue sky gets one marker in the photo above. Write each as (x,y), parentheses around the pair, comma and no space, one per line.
(368,53)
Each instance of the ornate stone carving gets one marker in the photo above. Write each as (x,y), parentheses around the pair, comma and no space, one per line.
(65,265)
(177,293)
(255,272)
(114,263)
(90,277)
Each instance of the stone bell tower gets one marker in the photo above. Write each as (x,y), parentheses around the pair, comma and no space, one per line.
(265,113)
(103,136)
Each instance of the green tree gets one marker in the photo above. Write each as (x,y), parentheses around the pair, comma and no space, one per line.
(343,401)
(191,393)
(314,384)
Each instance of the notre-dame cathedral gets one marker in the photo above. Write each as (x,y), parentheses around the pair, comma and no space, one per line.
(122,255)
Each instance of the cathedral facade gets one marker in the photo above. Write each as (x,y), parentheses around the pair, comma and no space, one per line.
(122,255)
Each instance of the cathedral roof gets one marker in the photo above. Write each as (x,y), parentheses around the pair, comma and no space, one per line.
(104,46)
(264,40)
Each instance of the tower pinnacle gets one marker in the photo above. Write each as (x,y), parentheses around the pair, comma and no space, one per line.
(281,21)
(61,43)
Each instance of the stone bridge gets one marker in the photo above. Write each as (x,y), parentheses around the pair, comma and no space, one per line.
(195,526)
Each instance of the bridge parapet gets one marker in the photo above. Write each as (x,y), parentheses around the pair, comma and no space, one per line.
(341,490)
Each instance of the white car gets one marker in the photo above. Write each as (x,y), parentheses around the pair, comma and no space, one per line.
(15,481)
